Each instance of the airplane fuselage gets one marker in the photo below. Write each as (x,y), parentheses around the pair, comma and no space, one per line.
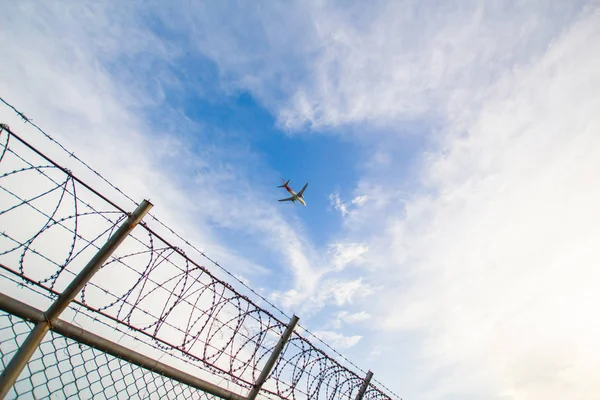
(295,195)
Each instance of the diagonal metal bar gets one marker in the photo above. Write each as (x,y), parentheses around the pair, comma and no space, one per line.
(20,359)
(364,386)
(264,374)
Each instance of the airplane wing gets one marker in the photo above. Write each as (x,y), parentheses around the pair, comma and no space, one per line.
(302,191)
(288,199)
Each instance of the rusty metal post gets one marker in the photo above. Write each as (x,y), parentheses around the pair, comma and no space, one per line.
(364,386)
(21,358)
(264,374)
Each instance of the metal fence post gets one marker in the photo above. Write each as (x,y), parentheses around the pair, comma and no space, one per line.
(364,386)
(264,374)
(19,361)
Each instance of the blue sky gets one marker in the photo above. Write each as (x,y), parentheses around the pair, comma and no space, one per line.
(451,150)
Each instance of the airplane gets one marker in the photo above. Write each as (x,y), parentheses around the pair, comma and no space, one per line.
(299,197)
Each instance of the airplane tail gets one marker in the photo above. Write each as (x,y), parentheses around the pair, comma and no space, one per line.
(284,183)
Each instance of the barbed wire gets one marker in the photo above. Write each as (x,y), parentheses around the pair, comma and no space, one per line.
(183,281)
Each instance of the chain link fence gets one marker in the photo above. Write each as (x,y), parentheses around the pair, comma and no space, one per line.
(62,368)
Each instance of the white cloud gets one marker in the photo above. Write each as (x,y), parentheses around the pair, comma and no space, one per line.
(377,351)
(345,317)
(344,292)
(360,200)
(380,158)
(338,204)
(346,208)
(337,340)
(325,63)
(327,291)
(328,285)
(404,59)
(343,254)
(499,257)
(353,318)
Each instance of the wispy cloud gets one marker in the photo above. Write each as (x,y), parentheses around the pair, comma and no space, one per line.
(326,291)
(321,64)
(338,204)
(344,317)
(353,318)
(343,254)
(498,258)
(345,208)
(337,339)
